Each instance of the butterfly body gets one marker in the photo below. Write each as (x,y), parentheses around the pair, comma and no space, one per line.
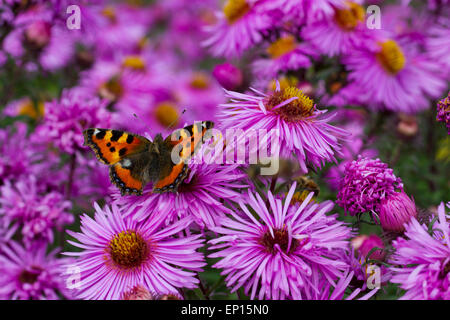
(135,161)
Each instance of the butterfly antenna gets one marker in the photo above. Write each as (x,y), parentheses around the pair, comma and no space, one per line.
(175,121)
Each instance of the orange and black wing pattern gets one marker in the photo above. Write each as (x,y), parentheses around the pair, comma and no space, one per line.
(187,140)
(111,146)
(196,133)
(124,152)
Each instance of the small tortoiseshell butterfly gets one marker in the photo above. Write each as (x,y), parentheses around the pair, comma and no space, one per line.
(134,160)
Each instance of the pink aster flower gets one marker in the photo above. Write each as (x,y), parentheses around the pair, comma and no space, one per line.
(284,54)
(34,213)
(304,130)
(66,118)
(120,253)
(422,260)
(240,26)
(365,184)
(395,75)
(30,273)
(342,32)
(124,82)
(274,250)
(200,197)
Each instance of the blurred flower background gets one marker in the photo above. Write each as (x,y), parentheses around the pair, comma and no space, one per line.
(361,101)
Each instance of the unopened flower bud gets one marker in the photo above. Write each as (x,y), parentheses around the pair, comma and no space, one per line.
(228,76)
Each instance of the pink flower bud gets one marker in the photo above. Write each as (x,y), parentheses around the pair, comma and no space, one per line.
(228,76)
(38,34)
(395,210)
(366,243)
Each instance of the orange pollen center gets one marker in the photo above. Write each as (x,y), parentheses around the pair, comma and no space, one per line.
(110,13)
(281,47)
(280,237)
(128,249)
(166,114)
(112,89)
(134,62)
(349,18)
(199,81)
(391,57)
(235,9)
(295,110)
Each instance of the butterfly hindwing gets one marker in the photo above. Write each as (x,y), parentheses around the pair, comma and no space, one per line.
(122,177)
(111,146)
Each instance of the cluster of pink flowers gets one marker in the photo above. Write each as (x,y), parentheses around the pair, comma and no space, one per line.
(311,72)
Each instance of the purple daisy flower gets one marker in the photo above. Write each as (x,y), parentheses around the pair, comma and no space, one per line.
(120,253)
(240,26)
(34,213)
(30,273)
(304,130)
(276,251)
(395,75)
(66,119)
(284,54)
(422,261)
(200,196)
(365,184)
(341,33)
(443,112)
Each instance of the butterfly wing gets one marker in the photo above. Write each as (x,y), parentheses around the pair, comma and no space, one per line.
(173,174)
(111,146)
(127,155)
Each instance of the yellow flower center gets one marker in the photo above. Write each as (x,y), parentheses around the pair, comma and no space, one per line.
(112,89)
(128,249)
(295,110)
(285,82)
(199,81)
(110,13)
(28,109)
(134,62)
(349,18)
(305,186)
(235,9)
(391,57)
(166,114)
(281,46)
